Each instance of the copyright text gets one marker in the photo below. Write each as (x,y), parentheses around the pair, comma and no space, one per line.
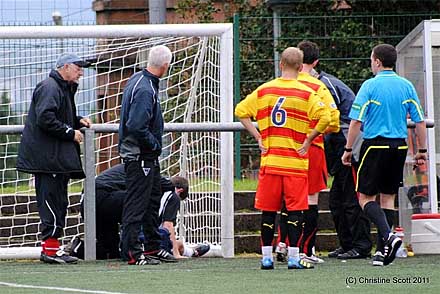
(351,280)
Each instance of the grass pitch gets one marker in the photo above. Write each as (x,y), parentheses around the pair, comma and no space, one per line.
(419,274)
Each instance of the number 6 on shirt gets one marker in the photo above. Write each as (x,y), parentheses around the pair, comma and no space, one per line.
(278,114)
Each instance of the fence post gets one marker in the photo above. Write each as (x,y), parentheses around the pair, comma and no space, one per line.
(276,37)
(89,196)
(237,147)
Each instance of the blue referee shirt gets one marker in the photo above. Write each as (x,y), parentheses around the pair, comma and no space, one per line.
(382,104)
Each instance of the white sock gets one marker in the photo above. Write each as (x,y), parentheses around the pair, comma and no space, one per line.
(188,251)
(267,251)
(293,252)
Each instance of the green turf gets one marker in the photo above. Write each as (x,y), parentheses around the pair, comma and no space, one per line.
(238,275)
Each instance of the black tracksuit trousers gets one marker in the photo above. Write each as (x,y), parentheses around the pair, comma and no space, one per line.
(352,225)
(141,207)
(51,190)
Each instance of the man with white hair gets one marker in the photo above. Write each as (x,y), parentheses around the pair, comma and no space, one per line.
(140,145)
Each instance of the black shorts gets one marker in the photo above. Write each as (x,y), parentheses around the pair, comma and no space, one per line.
(381,166)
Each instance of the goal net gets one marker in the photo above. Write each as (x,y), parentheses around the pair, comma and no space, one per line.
(197,90)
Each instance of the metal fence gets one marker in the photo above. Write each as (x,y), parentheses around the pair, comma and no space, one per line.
(345,43)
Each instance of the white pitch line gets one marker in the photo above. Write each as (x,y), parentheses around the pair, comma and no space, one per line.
(57,288)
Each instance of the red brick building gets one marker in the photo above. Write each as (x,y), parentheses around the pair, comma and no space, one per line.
(136,11)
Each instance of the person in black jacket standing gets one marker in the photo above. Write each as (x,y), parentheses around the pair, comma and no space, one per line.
(140,144)
(50,150)
(352,225)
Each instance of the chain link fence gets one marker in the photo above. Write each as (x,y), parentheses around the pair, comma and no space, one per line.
(345,43)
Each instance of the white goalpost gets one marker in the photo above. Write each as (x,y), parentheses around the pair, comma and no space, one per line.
(196,91)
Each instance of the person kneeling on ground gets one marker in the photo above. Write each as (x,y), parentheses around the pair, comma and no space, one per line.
(111,190)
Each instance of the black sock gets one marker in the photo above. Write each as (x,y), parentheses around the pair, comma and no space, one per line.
(267,227)
(283,226)
(389,213)
(377,216)
(310,229)
(294,227)
(380,244)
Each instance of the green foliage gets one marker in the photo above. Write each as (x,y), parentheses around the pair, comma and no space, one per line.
(201,10)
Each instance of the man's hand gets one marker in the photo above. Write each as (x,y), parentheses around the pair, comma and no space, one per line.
(85,122)
(305,147)
(420,158)
(78,137)
(346,158)
(178,256)
(260,144)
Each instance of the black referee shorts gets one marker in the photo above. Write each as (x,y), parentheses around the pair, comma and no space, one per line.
(381,166)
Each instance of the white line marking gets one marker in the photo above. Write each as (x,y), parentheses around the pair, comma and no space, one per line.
(57,288)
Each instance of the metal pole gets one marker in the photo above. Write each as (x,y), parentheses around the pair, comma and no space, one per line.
(429,94)
(89,196)
(157,11)
(180,127)
(58,20)
(237,147)
(276,36)
(227,157)
(113,31)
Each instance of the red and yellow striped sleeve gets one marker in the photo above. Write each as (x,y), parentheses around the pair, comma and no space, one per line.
(319,113)
(247,108)
(328,100)
(321,89)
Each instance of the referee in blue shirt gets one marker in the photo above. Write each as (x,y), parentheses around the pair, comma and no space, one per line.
(381,106)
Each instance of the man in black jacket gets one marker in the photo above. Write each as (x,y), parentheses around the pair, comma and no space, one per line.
(352,225)
(50,150)
(140,144)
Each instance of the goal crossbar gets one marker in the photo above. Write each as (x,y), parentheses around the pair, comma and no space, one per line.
(114,31)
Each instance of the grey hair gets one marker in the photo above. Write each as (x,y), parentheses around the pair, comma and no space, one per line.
(158,56)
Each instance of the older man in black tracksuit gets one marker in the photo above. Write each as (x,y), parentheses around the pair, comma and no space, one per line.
(140,144)
(49,149)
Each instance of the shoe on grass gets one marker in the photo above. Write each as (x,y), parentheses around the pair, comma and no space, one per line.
(201,250)
(336,252)
(391,245)
(298,263)
(266,263)
(378,259)
(60,257)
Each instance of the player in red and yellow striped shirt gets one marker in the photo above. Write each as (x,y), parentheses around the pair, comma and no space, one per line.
(284,109)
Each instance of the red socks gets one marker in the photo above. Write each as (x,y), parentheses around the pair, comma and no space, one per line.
(50,246)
